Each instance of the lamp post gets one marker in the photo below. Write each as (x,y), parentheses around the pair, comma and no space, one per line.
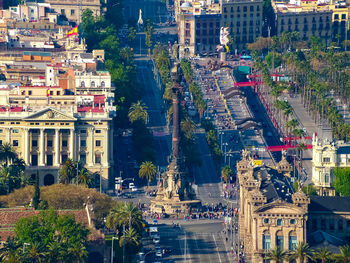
(225,144)
(112,254)
(221,133)
(24,246)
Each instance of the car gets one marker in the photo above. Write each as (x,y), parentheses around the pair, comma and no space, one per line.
(131,185)
(134,189)
(159,254)
(156,239)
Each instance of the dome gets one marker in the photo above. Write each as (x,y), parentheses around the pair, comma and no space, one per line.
(186,5)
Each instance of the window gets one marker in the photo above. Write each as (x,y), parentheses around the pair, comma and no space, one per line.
(279,222)
(102,84)
(29,92)
(292,242)
(82,84)
(63,12)
(58,93)
(326,178)
(98,143)
(64,143)
(292,221)
(343,16)
(15,142)
(323,224)
(245,8)
(72,12)
(49,160)
(15,131)
(97,157)
(83,158)
(266,220)
(34,143)
(82,143)
(336,16)
(279,239)
(82,131)
(266,241)
(64,158)
(340,225)
(251,8)
(326,159)
(34,160)
(98,131)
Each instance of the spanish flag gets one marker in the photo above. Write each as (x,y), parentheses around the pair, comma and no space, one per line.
(73,32)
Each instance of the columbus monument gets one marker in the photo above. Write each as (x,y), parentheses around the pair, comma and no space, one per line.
(175,194)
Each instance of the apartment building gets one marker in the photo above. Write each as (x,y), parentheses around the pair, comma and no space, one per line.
(306,17)
(244,20)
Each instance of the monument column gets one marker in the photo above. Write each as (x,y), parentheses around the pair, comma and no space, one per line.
(176,124)
(71,144)
(42,148)
(57,147)
(91,147)
(26,146)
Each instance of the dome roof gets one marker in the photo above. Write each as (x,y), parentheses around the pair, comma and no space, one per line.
(186,5)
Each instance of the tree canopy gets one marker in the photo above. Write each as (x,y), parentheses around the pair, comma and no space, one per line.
(341,181)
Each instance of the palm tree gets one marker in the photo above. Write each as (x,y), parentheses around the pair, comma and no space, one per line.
(124,214)
(5,175)
(67,172)
(54,252)
(138,111)
(226,172)
(10,251)
(201,107)
(78,252)
(344,256)
(147,170)
(276,254)
(84,177)
(188,128)
(130,237)
(35,253)
(302,252)
(323,254)
(7,153)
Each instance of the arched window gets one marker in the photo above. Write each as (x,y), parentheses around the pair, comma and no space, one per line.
(103,84)
(292,240)
(326,178)
(49,179)
(279,239)
(82,84)
(266,240)
(92,84)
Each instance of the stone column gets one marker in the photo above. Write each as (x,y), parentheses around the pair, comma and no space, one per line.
(26,146)
(57,147)
(90,160)
(105,147)
(42,148)
(71,144)
(8,135)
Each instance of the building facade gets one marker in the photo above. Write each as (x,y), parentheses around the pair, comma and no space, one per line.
(244,20)
(46,127)
(271,213)
(327,155)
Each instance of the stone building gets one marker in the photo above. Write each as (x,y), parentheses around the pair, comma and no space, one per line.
(327,155)
(271,213)
(244,20)
(47,125)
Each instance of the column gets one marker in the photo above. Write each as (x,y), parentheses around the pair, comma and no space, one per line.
(105,147)
(71,144)
(26,146)
(8,135)
(90,160)
(42,148)
(57,147)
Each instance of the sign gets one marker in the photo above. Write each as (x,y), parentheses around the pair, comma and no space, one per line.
(258,162)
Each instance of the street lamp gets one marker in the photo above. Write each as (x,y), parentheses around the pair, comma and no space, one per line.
(225,144)
(24,246)
(112,254)
(221,133)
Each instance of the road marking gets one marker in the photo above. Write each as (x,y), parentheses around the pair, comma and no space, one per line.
(217,250)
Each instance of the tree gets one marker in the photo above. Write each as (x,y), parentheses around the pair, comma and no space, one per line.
(67,172)
(85,177)
(36,197)
(149,32)
(277,254)
(138,111)
(342,181)
(147,170)
(302,252)
(226,172)
(344,256)
(323,254)
(124,214)
(131,35)
(7,153)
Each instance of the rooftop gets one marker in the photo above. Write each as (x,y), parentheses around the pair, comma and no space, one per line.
(329,204)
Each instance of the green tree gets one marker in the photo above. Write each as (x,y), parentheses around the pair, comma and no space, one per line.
(302,252)
(226,172)
(277,254)
(344,256)
(149,32)
(7,153)
(342,181)
(124,214)
(138,111)
(323,254)
(147,170)
(132,35)
(67,171)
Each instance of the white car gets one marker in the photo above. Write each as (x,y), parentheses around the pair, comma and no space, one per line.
(159,254)
(156,240)
(134,189)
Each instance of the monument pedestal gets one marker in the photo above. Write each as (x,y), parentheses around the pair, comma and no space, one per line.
(172,207)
